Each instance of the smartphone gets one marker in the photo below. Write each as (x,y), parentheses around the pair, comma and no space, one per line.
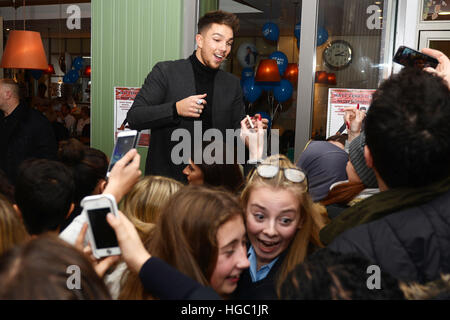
(126,140)
(103,238)
(411,58)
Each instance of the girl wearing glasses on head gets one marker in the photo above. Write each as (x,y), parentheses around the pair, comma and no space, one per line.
(282,225)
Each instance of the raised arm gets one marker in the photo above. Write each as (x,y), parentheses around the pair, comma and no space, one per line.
(443,68)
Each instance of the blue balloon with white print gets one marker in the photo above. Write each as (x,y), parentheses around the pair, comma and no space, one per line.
(271,31)
(281,59)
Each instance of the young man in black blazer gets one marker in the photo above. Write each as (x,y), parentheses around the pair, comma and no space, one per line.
(183,93)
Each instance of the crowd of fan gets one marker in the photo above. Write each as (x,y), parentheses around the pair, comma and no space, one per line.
(377,197)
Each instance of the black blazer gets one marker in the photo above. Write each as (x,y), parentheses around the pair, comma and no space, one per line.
(153,108)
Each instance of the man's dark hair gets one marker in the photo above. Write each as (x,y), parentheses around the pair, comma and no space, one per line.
(88,166)
(44,193)
(327,275)
(408,129)
(341,138)
(219,17)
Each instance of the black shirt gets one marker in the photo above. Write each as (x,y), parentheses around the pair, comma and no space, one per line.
(204,83)
(7,125)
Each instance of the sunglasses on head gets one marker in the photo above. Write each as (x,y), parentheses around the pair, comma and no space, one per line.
(269,171)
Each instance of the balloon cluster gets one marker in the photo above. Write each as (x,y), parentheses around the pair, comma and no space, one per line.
(322,35)
(282,90)
(73,75)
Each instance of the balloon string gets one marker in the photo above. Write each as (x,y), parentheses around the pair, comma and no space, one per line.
(279,105)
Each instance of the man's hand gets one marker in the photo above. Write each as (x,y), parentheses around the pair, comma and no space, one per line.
(253,138)
(124,175)
(191,106)
(265,122)
(443,68)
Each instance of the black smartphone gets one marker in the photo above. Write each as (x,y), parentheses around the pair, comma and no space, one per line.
(411,58)
(126,141)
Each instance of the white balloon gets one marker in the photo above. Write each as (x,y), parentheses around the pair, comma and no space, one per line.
(246,55)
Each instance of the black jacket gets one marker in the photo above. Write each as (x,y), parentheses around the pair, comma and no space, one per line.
(153,108)
(412,244)
(162,280)
(264,289)
(24,134)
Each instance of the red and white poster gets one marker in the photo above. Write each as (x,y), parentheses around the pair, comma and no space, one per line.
(123,100)
(342,98)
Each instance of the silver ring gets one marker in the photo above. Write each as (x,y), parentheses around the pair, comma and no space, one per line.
(199,101)
(198,111)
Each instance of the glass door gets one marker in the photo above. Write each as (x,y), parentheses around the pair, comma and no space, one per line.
(350,54)
(439,40)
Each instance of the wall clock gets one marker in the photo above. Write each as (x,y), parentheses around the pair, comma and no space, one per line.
(338,54)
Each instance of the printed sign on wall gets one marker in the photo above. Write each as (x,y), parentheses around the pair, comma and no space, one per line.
(342,98)
(123,100)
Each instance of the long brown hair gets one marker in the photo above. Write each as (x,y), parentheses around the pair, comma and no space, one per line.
(343,193)
(185,235)
(310,214)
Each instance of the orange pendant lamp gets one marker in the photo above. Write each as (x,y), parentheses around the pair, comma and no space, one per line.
(291,73)
(321,77)
(24,50)
(50,69)
(268,71)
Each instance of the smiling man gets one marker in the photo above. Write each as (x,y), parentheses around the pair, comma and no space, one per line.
(176,94)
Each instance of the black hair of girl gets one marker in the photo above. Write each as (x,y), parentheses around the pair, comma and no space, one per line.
(225,175)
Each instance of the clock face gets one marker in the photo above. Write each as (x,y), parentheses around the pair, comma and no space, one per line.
(338,55)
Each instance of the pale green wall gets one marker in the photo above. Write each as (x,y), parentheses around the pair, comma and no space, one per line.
(128,38)
(208,5)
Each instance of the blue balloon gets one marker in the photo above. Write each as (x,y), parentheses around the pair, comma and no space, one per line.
(251,91)
(77,63)
(281,59)
(322,36)
(297,30)
(247,73)
(283,92)
(266,86)
(271,31)
(71,76)
(37,74)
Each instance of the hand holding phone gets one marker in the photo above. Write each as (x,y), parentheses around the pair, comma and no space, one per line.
(103,238)
(411,58)
(443,68)
(126,140)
